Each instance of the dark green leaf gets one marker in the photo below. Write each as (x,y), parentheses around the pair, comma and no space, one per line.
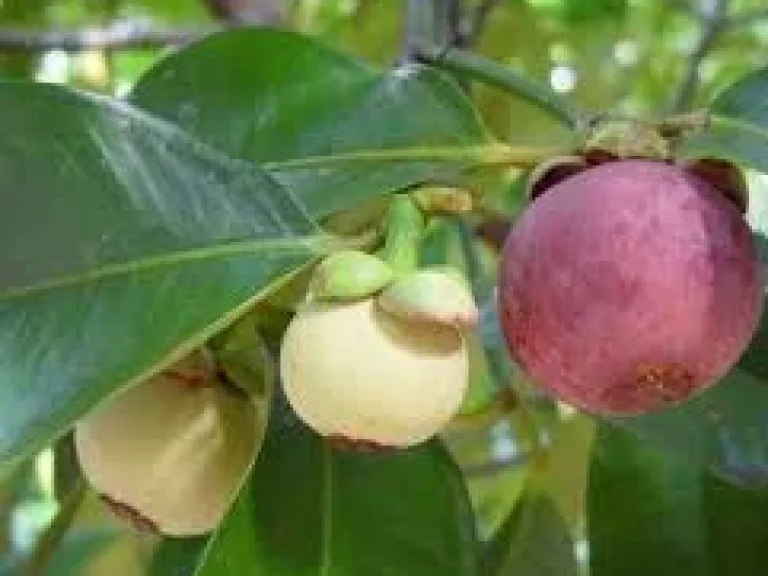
(534,541)
(644,511)
(724,428)
(312,510)
(177,556)
(652,513)
(125,242)
(332,128)
(231,551)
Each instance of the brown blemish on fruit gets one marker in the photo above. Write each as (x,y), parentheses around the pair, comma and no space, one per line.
(342,442)
(191,378)
(197,370)
(131,516)
(671,381)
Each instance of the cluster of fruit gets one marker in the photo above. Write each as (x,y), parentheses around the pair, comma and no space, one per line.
(629,283)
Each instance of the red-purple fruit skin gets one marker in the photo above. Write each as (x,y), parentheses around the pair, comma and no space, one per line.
(629,287)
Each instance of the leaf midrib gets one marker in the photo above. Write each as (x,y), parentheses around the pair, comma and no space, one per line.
(489,153)
(312,245)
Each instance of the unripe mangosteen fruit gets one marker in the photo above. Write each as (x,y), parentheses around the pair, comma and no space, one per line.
(629,286)
(366,378)
(169,454)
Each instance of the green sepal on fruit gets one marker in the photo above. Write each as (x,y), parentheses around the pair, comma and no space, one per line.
(349,275)
(437,295)
(628,138)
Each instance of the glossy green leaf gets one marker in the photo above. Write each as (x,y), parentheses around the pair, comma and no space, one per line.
(313,510)
(535,541)
(739,125)
(331,127)
(125,242)
(652,513)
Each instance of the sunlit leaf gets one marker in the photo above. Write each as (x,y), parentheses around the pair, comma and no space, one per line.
(332,128)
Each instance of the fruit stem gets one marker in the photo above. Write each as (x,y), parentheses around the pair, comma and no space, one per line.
(472,66)
(244,360)
(516,405)
(443,200)
(404,228)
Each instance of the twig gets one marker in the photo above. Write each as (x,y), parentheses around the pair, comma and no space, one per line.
(246,11)
(478,280)
(454,19)
(712,24)
(475,67)
(482,287)
(474,25)
(433,21)
(116,36)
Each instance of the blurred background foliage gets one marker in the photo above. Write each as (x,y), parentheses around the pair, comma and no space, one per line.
(634,56)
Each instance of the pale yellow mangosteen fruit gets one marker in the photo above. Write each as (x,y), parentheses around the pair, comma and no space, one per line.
(355,372)
(169,454)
